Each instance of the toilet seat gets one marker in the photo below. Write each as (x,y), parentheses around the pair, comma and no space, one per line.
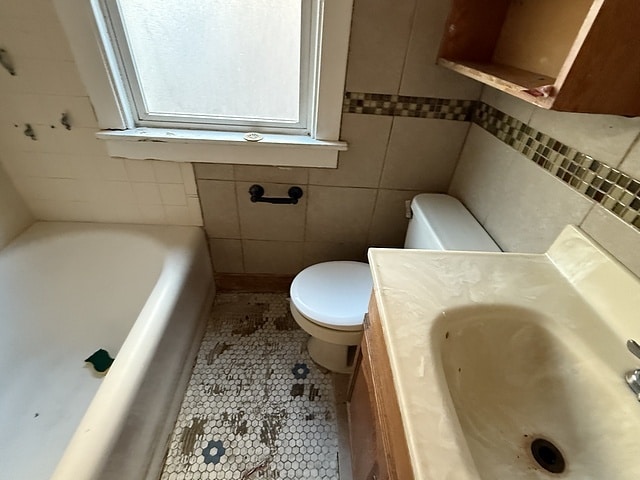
(334,295)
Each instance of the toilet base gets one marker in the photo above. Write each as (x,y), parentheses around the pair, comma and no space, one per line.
(333,357)
(332,349)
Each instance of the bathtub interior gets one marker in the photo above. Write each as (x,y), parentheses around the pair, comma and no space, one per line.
(62,297)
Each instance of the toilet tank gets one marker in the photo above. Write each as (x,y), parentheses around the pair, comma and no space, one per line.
(441,222)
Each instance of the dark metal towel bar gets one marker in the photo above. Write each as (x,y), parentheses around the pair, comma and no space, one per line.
(257,195)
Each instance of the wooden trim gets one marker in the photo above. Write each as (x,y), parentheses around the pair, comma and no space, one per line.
(578,43)
(605,75)
(387,412)
(502,76)
(241,282)
(363,426)
(529,86)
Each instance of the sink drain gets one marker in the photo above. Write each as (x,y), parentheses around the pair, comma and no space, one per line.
(547,455)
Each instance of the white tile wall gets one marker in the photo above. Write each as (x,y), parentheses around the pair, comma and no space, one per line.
(77,188)
(618,237)
(380,31)
(67,174)
(523,206)
(422,153)
(272,257)
(339,214)
(631,162)
(421,76)
(226,255)
(508,104)
(479,173)
(264,221)
(43,77)
(15,216)
(388,225)
(46,109)
(533,208)
(331,222)
(361,165)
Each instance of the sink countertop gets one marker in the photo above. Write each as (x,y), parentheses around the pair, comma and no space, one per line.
(571,288)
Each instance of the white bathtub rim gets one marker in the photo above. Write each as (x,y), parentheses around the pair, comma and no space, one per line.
(93,440)
(169,235)
(98,430)
(155,463)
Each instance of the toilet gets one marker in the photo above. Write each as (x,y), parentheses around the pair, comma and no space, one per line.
(329,299)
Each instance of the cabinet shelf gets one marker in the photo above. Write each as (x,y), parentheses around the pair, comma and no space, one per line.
(569,55)
(515,81)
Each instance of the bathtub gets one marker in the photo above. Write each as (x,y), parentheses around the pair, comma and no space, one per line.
(68,289)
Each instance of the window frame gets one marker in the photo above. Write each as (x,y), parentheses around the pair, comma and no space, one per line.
(125,68)
(85,30)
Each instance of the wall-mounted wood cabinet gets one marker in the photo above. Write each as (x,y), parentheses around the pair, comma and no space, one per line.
(568,55)
(378,445)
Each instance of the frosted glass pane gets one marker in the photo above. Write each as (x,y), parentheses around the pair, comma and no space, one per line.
(218,58)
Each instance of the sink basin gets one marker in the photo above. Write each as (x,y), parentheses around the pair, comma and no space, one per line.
(533,401)
(511,366)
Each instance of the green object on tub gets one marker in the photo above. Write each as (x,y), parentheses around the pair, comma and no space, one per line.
(101,360)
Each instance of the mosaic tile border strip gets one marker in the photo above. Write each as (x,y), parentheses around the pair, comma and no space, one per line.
(404,106)
(614,190)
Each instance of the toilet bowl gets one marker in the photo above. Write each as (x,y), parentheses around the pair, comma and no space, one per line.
(329,299)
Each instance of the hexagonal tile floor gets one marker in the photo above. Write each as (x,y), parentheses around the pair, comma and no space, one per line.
(256,406)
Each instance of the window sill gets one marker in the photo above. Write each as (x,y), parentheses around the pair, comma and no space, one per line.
(221,147)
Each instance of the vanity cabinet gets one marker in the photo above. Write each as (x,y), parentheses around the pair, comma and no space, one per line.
(569,55)
(378,446)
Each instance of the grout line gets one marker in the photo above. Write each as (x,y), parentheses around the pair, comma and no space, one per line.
(635,142)
(414,15)
(305,240)
(386,154)
(378,185)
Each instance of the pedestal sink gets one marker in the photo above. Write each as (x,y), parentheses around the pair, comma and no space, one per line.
(511,366)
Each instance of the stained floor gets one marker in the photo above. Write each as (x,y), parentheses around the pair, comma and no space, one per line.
(256,406)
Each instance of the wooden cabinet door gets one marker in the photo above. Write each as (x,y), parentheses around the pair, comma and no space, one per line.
(378,446)
(362,424)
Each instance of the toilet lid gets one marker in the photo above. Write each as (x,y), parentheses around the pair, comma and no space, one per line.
(333,294)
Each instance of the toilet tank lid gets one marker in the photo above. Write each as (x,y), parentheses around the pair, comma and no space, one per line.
(452,226)
(334,294)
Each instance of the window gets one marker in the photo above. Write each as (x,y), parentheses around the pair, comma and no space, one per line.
(195,77)
(219,63)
